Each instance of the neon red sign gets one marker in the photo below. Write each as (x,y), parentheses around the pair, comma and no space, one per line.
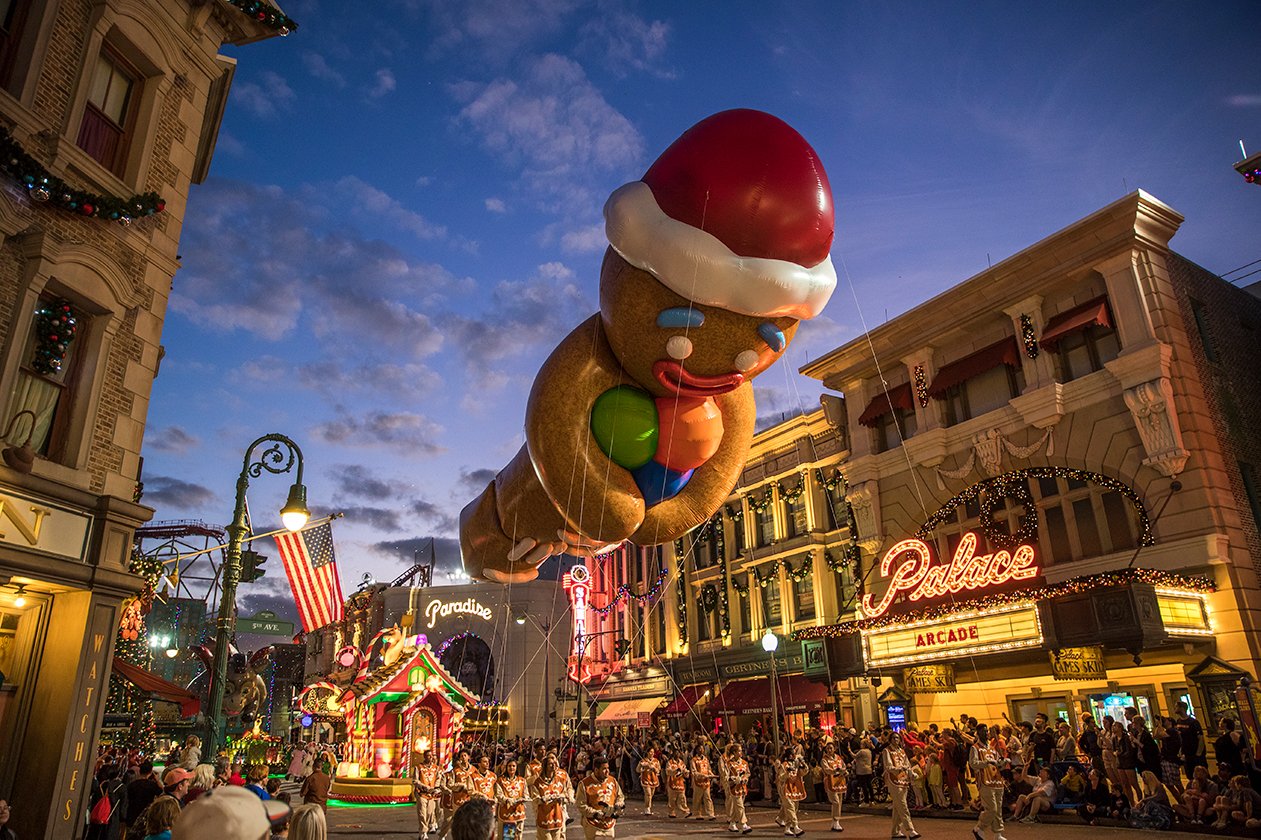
(968,570)
(577,582)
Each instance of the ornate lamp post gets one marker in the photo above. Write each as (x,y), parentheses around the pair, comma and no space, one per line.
(278,458)
(770,643)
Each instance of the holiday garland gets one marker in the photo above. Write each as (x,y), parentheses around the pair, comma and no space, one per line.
(680,584)
(43,186)
(1073,586)
(266,14)
(1027,336)
(624,591)
(790,496)
(1015,485)
(55,327)
(760,504)
(921,386)
(1253,176)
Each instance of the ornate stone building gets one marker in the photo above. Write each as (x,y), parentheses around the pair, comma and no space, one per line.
(109,111)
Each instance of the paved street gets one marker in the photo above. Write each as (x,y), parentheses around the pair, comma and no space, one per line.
(400,822)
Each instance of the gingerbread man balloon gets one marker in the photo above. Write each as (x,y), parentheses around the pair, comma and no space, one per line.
(640,421)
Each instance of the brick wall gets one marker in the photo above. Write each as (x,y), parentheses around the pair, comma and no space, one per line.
(1232,384)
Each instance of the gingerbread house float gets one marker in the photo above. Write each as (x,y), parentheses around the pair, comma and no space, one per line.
(396,713)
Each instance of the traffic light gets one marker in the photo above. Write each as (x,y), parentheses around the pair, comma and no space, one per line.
(252,566)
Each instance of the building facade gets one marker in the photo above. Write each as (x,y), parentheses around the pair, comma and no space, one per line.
(506,644)
(1054,472)
(778,556)
(108,113)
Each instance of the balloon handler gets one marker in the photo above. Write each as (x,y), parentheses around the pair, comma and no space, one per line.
(639,423)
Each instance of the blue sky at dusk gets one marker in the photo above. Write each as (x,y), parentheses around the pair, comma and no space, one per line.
(403,216)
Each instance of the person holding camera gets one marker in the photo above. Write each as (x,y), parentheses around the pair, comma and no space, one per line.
(600,800)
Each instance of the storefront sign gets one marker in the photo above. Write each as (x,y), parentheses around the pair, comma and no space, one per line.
(895,716)
(93,678)
(653,687)
(919,579)
(1079,663)
(441,609)
(930,679)
(37,525)
(577,582)
(965,634)
(761,665)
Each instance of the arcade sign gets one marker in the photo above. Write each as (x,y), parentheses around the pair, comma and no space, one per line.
(1010,627)
(920,580)
(441,609)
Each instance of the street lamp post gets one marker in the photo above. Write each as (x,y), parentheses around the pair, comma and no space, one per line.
(278,458)
(770,643)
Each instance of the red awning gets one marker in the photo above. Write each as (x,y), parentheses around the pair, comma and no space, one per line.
(189,703)
(684,701)
(1089,314)
(753,697)
(900,396)
(1003,352)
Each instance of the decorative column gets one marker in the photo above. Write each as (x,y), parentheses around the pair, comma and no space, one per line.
(921,369)
(1028,323)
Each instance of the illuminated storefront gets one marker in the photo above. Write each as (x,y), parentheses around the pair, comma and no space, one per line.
(1057,513)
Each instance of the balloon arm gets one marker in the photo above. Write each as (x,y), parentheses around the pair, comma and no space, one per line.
(712,481)
(559,440)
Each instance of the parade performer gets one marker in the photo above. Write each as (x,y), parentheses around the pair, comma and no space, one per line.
(792,789)
(535,764)
(551,791)
(676,784)
(428,787)
(738,782)
(482,779)
(702,786)
(834,778)
(456,790)
(649,770)
(510,797)
(600,801)
(897,778)
(985,763)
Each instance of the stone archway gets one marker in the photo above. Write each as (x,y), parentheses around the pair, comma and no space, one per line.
(469,660)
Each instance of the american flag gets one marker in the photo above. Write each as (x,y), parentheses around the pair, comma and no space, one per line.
(311,567)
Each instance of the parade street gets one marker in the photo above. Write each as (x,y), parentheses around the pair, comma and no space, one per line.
(400,822)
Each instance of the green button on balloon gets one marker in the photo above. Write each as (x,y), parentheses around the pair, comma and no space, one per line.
(624,422)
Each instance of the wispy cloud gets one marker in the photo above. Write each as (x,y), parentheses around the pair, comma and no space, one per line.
(265,98)
(413,433)
(493,30)
(383,82)
(496,205)
(171,439)
(1244,100)
(167,491)
(318,66)
(626,42)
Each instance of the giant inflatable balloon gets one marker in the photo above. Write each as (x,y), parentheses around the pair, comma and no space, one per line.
(640,421)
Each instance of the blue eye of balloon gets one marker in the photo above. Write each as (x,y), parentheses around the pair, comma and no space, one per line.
(680,317)
(772,335)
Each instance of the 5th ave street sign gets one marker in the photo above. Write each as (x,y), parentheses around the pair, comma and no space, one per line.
(264,623)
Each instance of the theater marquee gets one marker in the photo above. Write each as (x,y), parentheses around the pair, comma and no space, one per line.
(1010,627)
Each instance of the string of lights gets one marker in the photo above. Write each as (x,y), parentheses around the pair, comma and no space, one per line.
(1027,336)
(624,591)
(1073,586)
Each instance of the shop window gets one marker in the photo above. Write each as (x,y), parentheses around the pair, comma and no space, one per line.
(109,115)
(1085,352)
(983,393)
(893,428)
(1201,325)
(846,592)
(707,627)
(835,504)
(737,536)
(803,596)
(746,617)
(659,626)
(795,517)
(50,392)
(765,523)
(14,15)
(640,631)
(772,608)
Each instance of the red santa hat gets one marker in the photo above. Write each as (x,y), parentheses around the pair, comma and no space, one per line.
(737,214)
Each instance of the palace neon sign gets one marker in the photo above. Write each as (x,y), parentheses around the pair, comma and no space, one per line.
(967,571)
(577,582)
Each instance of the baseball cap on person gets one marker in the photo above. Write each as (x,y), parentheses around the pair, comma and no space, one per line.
(228,813)
(175,775)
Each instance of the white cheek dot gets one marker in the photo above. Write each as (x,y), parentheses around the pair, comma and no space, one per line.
(747,360)
(679,347)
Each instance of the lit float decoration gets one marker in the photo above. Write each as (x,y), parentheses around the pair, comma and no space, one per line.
(407,705)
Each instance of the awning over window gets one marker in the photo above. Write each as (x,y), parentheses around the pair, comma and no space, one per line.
(1003,352)
(1090,314)
(189,703)
(900,396)
(753,697)
(685,700)
(620,712)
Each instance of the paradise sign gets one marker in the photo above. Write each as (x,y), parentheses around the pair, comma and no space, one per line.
(967,571)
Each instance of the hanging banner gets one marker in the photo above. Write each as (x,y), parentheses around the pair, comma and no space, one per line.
(1079,663)
(930,679)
